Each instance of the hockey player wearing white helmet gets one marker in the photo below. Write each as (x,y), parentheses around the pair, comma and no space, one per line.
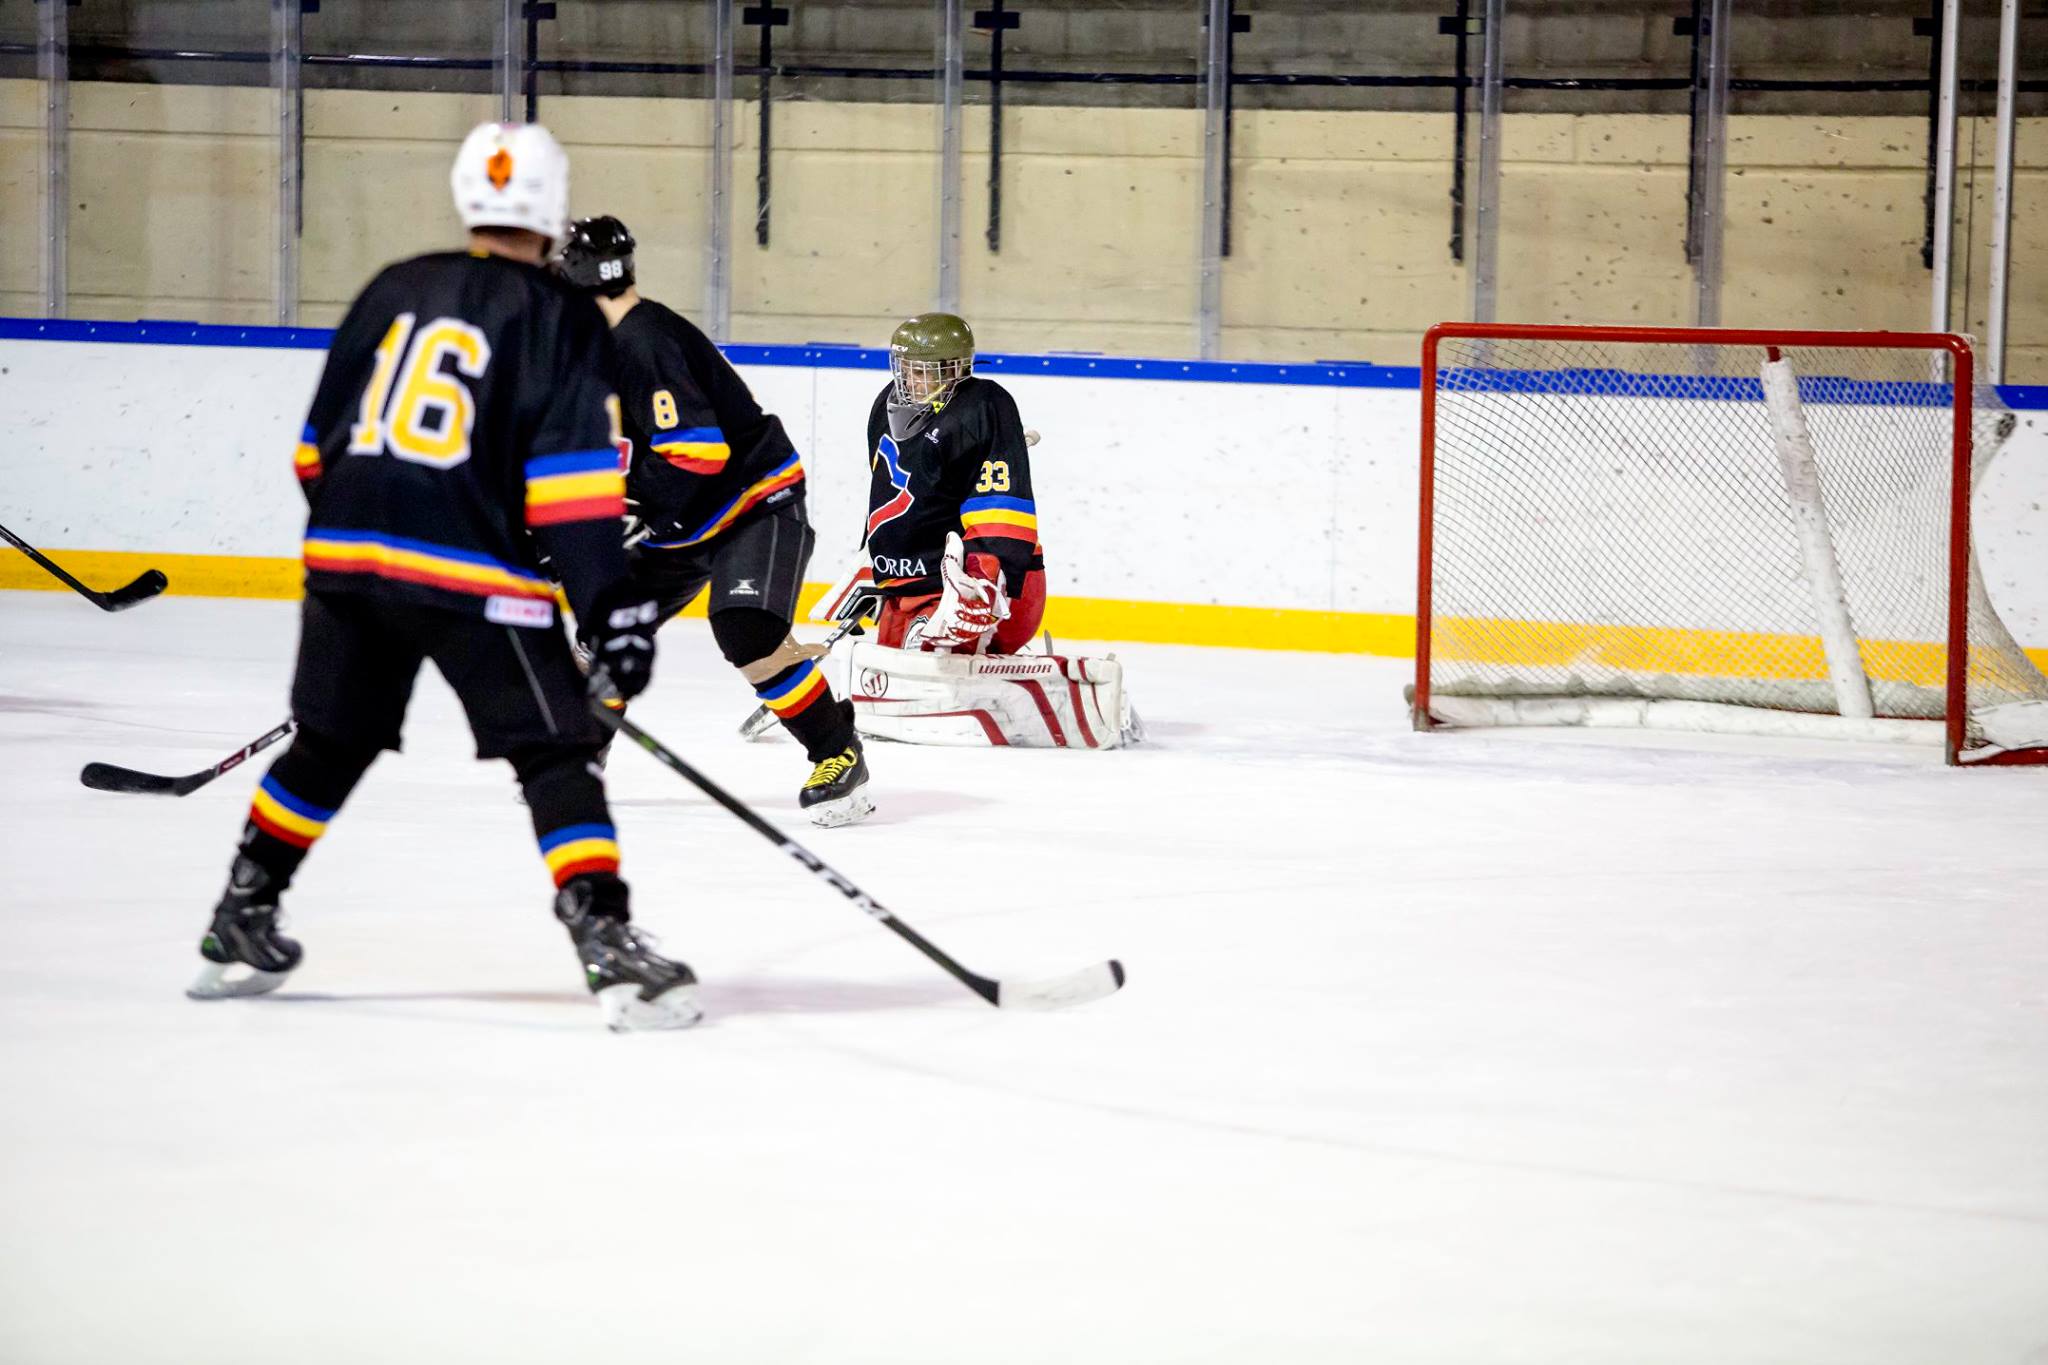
(463,427)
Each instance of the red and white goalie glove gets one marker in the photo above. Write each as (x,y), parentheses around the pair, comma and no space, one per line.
(970,608)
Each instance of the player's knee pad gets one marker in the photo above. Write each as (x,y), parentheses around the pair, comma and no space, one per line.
(757,643)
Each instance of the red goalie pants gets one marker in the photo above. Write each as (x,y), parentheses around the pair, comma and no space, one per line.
(1027,609)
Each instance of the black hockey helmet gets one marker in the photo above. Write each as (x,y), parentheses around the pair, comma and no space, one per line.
(597,255)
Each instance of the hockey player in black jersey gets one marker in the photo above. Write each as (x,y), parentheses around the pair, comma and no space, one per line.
(952,532)
(719,490)
(461,428)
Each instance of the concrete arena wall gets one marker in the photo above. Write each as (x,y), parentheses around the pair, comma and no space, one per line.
(1266,514)
(1340,234)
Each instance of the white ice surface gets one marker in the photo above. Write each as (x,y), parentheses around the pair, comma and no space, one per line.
(1476,1047)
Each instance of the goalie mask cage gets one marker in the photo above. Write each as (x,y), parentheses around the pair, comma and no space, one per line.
(1713,529)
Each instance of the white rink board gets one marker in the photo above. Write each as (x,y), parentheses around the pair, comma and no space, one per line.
(1183,491)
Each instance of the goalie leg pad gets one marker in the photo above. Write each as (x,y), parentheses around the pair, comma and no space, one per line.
(1030,701)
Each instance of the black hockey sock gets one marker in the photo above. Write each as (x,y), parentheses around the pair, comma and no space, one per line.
(296,799)
(797,693)
(565,795)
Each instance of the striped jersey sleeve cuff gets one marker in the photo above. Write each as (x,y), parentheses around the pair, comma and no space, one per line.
(1016,518)
(694,450)
(306,459)
(583,485)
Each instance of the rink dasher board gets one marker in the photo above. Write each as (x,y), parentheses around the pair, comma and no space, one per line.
(1158,482)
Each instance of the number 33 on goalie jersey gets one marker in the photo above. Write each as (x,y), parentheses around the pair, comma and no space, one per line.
(464,425)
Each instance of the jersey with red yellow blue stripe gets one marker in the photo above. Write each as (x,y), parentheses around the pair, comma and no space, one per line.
(463,429)
(963,468)
(704,454)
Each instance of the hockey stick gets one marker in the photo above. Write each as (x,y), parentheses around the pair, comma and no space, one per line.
(107,777)
(763,720)
(1078,988)
(146,585)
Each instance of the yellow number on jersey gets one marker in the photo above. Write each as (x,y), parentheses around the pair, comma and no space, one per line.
(995,477)
(366,437)
(665,410)
(401,426)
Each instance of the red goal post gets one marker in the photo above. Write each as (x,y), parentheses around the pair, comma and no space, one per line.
(1754,530)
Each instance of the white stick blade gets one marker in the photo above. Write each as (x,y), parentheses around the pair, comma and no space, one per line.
(1062,992)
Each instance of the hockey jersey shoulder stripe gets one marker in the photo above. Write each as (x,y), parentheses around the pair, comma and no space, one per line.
(694,450)
(374,554)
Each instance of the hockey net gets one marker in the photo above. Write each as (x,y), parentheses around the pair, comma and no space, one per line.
(1713,529)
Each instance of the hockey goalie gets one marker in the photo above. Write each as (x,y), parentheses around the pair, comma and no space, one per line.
(952,547)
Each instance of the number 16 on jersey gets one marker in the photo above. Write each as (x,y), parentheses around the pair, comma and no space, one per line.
(426,414)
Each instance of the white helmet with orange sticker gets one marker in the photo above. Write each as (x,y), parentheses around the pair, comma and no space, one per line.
(512,175)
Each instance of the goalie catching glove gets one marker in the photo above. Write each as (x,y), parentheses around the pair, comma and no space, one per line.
(970,607)
(620,640)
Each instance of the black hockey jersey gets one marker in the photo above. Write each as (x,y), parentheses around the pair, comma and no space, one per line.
(466,413)
(966,469)
(704,454)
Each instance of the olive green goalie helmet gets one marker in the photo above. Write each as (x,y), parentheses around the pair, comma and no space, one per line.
(928,355)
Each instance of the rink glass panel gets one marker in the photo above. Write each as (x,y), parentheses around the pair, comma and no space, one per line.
(379,141)
(173,163)
(1593,223)
(1096,189)
(835,236)
(1347,238)
(639,141)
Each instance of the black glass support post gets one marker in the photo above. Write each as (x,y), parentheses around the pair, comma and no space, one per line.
(1692,27)
(1459,26)
(995,21)
(1930,28)
(529,78)
(770,18)
(1239,23)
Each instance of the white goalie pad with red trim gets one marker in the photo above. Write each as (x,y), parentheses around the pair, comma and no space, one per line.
(1025,701)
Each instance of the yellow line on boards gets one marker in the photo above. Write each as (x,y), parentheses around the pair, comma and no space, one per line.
(1388,634)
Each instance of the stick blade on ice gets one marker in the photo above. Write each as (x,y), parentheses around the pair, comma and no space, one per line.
(1062,992)
(148,585)
(108,777)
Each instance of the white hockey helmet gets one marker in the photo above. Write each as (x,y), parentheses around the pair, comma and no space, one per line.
(512,175)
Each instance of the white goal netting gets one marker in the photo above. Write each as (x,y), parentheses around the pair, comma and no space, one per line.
(1687,521)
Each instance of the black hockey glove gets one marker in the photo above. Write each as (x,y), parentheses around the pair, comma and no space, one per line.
(620,638)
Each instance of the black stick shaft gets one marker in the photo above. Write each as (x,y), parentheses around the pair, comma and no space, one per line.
(147,584)
(49,564)
(810,861)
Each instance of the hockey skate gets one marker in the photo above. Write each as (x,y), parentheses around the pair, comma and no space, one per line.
(636,987)
(244,933)
(836,792)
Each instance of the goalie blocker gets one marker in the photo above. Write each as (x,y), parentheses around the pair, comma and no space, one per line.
(1025,701)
